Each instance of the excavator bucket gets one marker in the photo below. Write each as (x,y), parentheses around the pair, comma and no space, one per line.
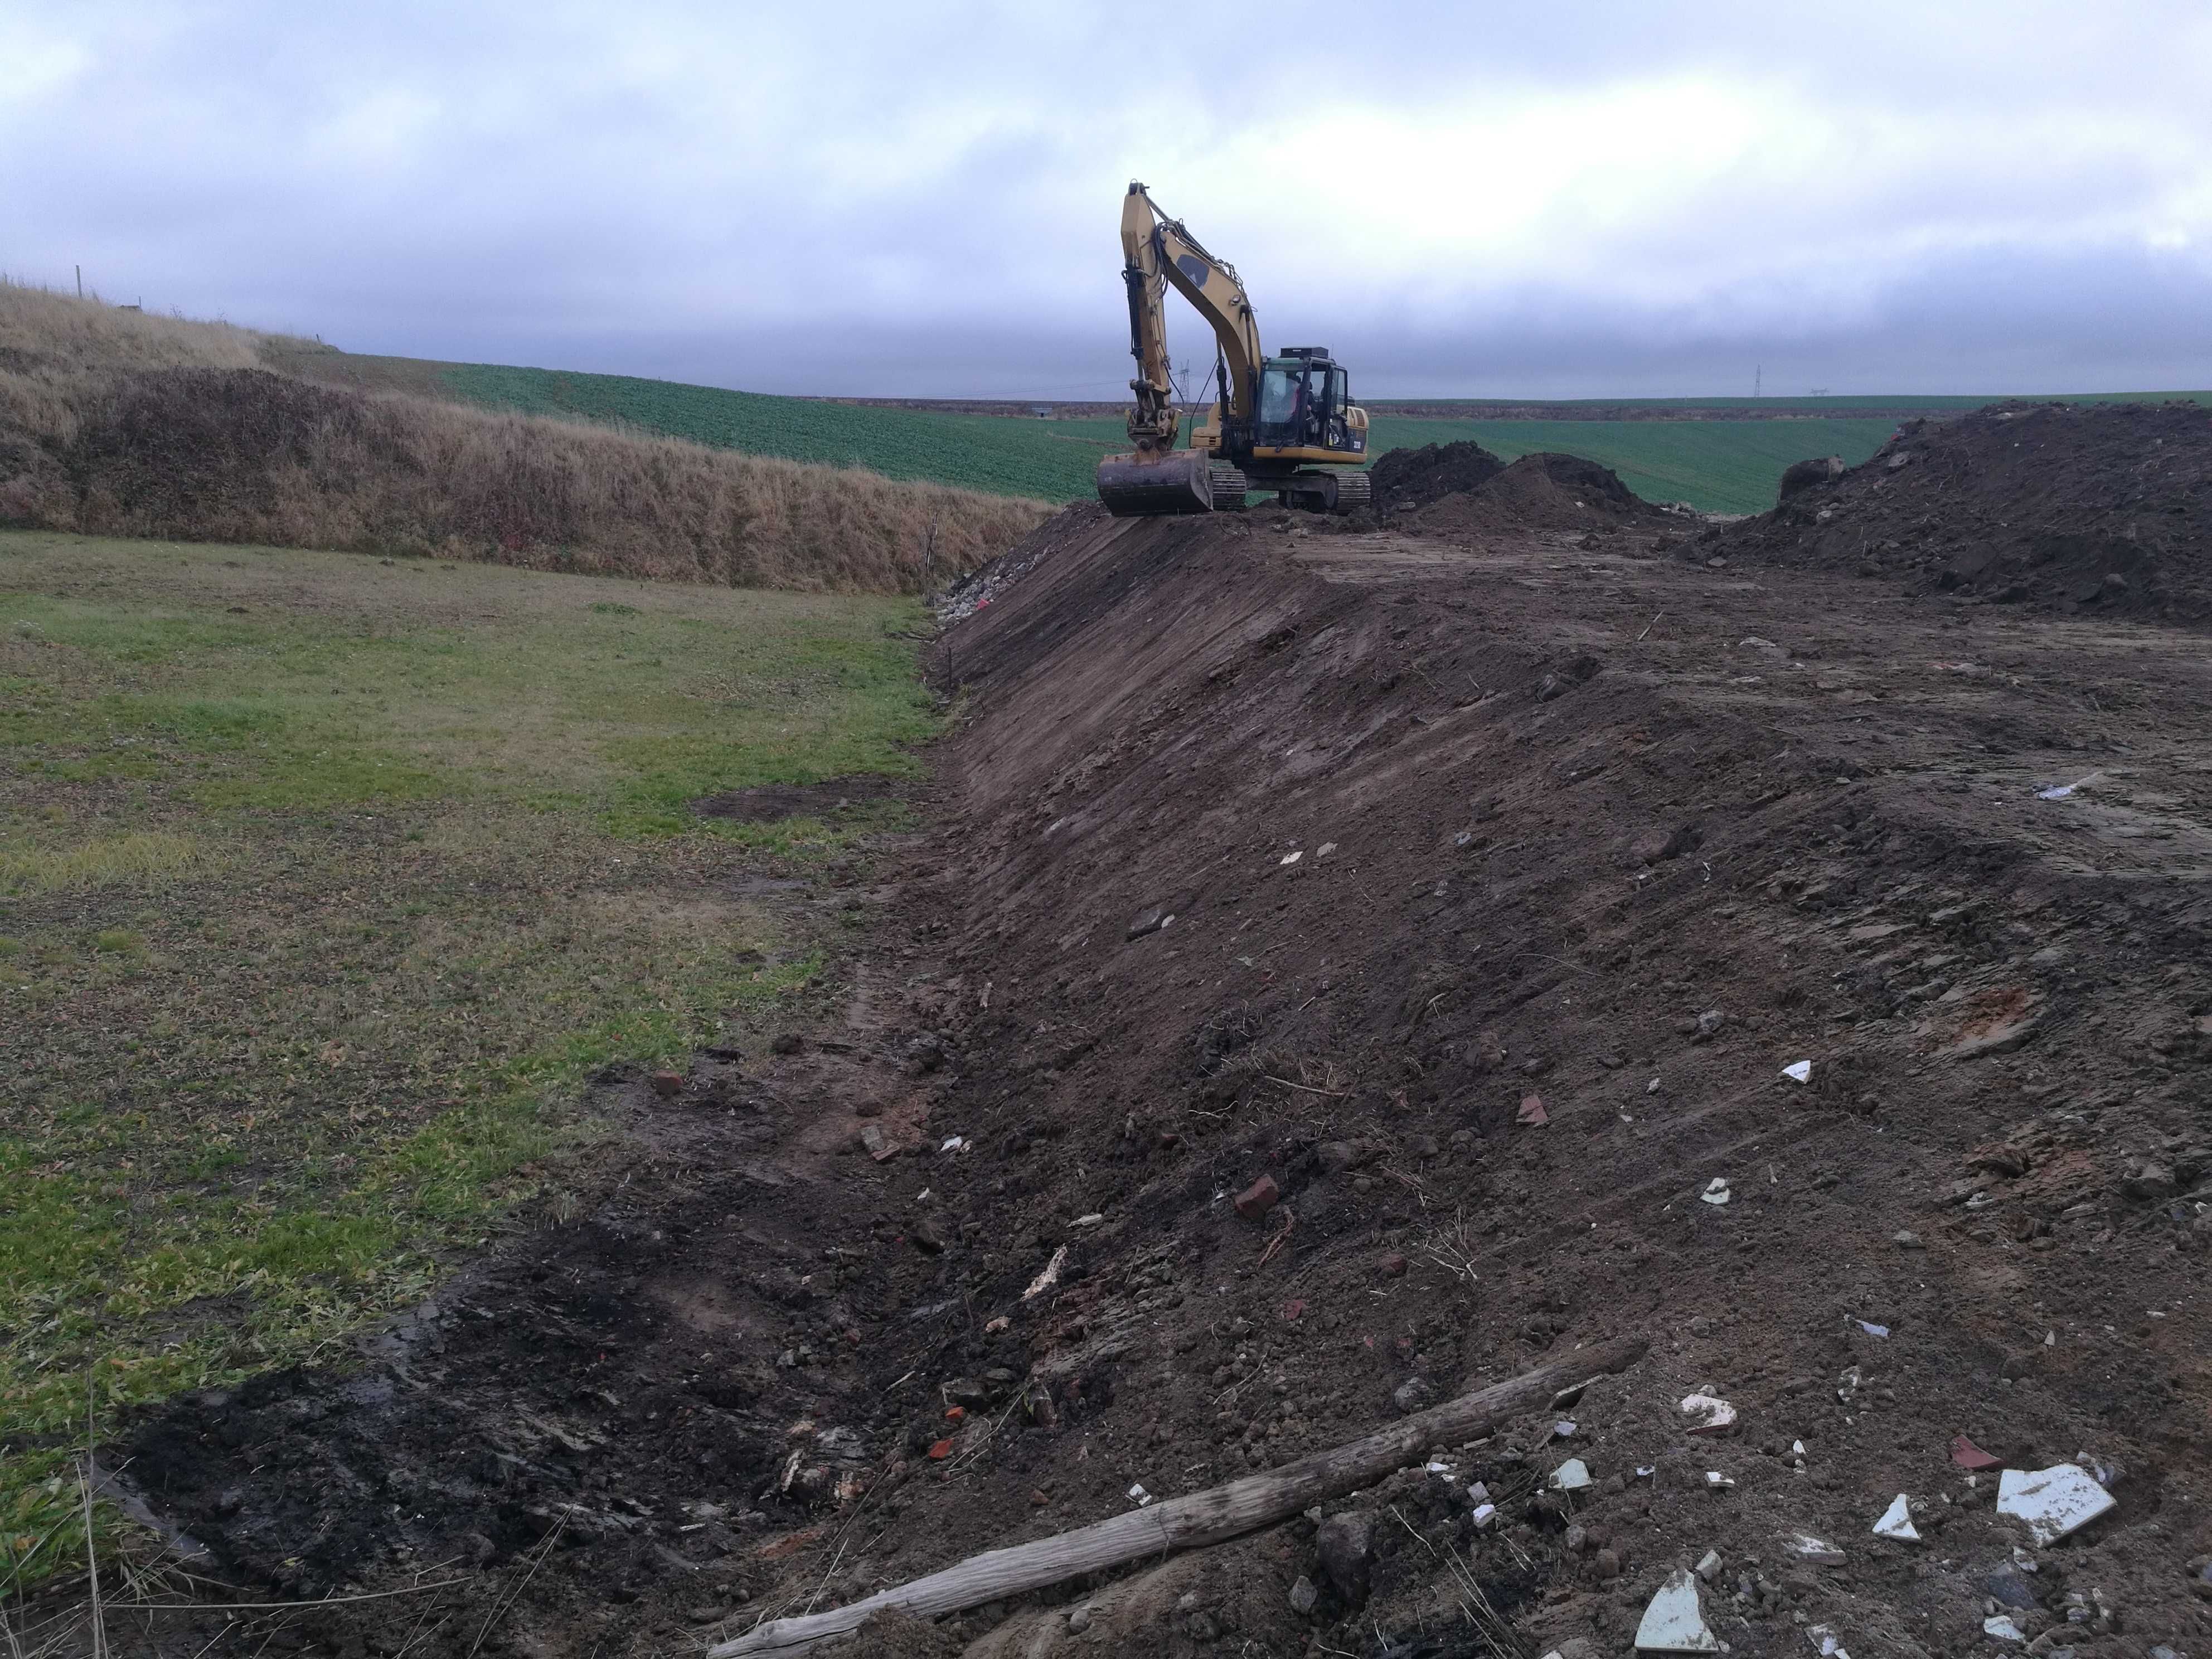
(1153,486)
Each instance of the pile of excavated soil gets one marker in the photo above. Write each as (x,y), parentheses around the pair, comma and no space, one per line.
(1404,479)
(1541,492)
(1337,973)
(2093,508)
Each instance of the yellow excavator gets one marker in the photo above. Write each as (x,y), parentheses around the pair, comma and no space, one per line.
(1285,425)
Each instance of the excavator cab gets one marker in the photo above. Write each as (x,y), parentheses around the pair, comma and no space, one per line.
(1305,410)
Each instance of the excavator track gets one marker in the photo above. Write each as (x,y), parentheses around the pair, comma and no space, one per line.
(1336,490)
(1354,490)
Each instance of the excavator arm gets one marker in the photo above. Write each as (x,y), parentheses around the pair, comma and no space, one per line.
(1157,253)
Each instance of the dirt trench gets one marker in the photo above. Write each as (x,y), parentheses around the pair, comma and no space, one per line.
(1338,859)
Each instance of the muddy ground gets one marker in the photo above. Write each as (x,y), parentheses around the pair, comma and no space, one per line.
(1337,860)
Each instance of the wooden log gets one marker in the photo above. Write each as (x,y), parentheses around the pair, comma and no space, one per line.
(1212,1517)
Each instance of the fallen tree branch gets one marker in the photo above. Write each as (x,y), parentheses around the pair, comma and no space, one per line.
(1212,1517)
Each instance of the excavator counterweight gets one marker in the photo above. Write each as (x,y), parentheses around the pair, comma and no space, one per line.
(1284,426)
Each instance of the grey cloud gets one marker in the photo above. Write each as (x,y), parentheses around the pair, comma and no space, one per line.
(854,197)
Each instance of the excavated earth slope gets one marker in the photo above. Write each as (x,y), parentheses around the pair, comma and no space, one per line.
(2101,509)
(1477,902)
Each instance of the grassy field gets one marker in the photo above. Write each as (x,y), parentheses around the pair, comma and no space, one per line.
(325,883)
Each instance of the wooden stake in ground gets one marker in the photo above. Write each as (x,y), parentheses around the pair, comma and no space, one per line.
(1212,1517)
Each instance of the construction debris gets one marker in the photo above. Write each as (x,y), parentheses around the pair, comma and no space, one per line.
(1897,1521)
(2053,1502)
(1814,1552)
(1713,1414)
(1967,1455)
(1674,1622)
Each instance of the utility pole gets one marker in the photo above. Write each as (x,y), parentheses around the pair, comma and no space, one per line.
(1757,374)
(80,282)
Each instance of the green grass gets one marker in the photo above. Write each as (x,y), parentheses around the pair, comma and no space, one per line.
(325,884)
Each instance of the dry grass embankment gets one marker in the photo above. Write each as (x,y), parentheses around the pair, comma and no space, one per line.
(114,423)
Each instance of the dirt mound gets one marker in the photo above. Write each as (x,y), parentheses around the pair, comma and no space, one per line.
(1541,492)
(2098,507)
(1406,478)
(1340,973)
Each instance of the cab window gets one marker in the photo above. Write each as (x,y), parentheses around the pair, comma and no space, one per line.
(1279,396)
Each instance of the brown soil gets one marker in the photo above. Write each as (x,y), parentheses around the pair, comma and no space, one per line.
(2103,508)
(1437,831)
(1403,479)
(1461,490)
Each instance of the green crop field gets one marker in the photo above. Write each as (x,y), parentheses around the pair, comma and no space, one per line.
(1049,459)
(1717,466)
(1720,466)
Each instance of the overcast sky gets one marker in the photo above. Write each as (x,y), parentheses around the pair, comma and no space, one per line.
(1564,197)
